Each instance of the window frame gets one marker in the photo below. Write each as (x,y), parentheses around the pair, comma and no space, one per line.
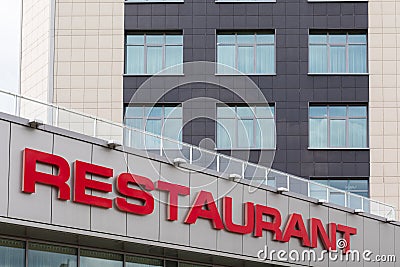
(236,44)
(152,1)
(145,119)
(236,128)
(347,118)
(145,46)
(328,46)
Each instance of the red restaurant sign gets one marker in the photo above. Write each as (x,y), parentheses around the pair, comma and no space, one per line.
(134,187)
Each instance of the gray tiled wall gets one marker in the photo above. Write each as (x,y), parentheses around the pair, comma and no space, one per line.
(291,89)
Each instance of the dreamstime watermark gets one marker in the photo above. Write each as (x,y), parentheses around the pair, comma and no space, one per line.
(311,255)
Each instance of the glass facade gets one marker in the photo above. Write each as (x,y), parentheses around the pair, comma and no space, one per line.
(337,126)
(250,53)
(160,120)
(14,254)
(337,53)
(152,53)
(245,127)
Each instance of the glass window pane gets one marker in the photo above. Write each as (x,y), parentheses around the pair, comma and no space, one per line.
(174,56)
(173,112)
(338,133)
(246,59)
(265,112)
(174,39)
(245,39)
(41,255)
(153,126)
(135,39)
(339,184)
(104,259)
(226,112)
(155,39)
(226,39)
(265,133)
(318,59)
(337,39)
(265,61)
(245,133)
(135,59)
(317,38)
(265,38)
(357,38)
(134,112)
(226,133)
(133,261)
(134,123)
(226,56)
(357,111)
(172,128)
(12,253)
(357,58)
(356,184)
(337,111)
(338,59)
(318,133)
(154,111)
(357,132)
(245,112)
(154,59)
(318,111)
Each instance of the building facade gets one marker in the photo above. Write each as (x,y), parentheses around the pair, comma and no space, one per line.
(327,69)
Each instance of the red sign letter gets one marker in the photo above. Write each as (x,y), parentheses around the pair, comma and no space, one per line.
(81,183)
(31,176)
(174,190)
(318,230)
(248,226)
(211,211)
(123,180)
(295,227)
(347,231)
(273,226)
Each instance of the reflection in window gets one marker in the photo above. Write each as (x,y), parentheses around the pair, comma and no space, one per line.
(43,255)
(338,126)
(248,53)
(337,53)
(151,53)
(12,253)
(159,120)
(245,127)
(91,258)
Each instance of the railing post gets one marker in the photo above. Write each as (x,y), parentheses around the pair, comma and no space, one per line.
(243,170)
(308,189)
(161,146)
(191,154)
(346,195)
(218,163)
(57,116)
(362,203)
(327,194)
(288,182)
(95,127)
(130,137)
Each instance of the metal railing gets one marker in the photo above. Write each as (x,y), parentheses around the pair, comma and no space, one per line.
(89,125)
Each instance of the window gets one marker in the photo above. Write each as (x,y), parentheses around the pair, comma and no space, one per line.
(89,258)
(245,127)
(250,53)
(358,186)
(12,253)
(134,261)
(337,126)
(48,255)
(337,53)
(160,120)
(151,53)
